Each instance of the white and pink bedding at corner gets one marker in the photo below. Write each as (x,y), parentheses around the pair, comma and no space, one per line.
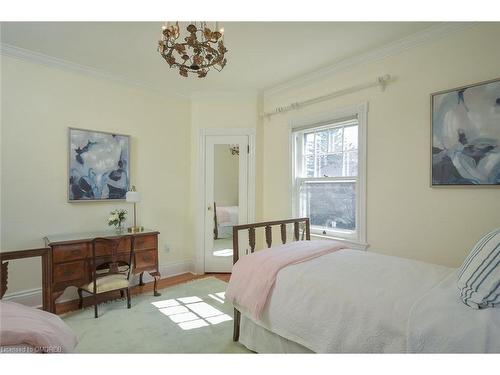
(351,301)
(253,276)
(22,326)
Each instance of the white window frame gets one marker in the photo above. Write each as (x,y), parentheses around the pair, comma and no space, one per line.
(360,111)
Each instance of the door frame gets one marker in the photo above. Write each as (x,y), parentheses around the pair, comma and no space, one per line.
(201,205)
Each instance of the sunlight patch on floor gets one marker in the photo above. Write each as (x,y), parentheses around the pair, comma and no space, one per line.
(213,296)
(223,253)
(191,312)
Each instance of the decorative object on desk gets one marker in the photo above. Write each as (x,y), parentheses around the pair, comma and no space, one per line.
(98,167)
(466,135)
(134,197)
(117,218)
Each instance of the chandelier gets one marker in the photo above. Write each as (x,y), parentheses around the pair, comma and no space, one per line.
(234,149)
(201,50)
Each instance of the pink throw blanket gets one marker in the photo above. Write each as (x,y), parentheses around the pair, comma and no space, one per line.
(253,276)
(45,332)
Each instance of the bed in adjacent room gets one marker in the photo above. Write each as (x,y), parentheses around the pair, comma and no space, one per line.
(225,217)
(334,299)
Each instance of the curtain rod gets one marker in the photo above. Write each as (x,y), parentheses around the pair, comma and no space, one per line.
(381,82)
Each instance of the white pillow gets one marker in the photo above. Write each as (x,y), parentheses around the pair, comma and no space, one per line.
(479,276)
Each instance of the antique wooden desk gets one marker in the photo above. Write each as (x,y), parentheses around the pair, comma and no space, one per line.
(70,255)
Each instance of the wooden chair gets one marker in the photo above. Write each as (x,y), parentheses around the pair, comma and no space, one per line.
(108,272)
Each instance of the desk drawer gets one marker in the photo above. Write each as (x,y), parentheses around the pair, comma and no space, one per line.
(146,260)
(69,271)
(102,248)
(145,242)
(64,253)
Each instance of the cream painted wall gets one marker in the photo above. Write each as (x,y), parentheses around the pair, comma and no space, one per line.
(405,216)
(39,104)
(226,173)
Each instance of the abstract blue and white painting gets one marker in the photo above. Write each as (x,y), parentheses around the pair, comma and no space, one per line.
(466,135)
(98,165)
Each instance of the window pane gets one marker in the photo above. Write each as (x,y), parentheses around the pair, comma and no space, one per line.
(321,142)
(335,140)
(351,138)
(331,152)
(330,165)
(351,163)
(329,205)
(309,166)
(309,144)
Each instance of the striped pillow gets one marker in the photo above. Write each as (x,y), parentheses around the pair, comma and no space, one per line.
(479,276)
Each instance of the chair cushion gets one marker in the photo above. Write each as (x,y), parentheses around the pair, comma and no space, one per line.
(107,283)
(479,276)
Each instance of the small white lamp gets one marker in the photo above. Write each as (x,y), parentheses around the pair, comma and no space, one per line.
(134,197)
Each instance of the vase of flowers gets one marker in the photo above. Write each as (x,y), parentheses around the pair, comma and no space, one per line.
(116,219)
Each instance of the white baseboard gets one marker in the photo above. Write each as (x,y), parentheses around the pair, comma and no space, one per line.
(33,297)
(28,297)
(169,270)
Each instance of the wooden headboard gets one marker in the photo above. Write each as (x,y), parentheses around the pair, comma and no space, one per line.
(298,224)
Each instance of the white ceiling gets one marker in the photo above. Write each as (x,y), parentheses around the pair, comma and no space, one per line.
(261,54)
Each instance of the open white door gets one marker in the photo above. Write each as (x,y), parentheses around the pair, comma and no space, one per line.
(226,197)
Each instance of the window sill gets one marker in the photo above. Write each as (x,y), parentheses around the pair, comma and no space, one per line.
(353,244)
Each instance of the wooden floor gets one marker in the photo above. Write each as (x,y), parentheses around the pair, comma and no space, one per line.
(72,305)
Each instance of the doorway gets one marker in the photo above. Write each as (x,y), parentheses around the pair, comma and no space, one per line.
(228,194)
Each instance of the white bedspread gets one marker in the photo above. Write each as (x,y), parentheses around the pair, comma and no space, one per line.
(441,323)
(349,301)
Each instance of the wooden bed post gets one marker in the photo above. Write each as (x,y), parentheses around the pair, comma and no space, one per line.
(236,250)
(267,225)
(216,229)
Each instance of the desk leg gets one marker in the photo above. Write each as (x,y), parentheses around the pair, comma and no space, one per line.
(156,275)
(141,282)
(46,283)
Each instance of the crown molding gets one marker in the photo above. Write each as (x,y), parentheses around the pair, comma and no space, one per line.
(54,62)
(387,50)
(390,49)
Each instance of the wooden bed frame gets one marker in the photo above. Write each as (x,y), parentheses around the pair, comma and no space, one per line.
(298,224)
(44,253)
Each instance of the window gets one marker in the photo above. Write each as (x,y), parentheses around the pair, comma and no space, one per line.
(328,177)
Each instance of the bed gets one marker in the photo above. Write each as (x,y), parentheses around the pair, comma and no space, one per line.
(26,329)
(225,218)
(352,301)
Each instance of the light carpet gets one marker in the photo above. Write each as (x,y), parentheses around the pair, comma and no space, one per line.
(187,318)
